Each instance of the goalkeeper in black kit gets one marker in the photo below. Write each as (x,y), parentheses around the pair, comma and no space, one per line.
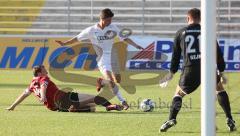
(186,44)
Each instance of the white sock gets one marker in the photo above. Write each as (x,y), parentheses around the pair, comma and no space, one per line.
(118,94)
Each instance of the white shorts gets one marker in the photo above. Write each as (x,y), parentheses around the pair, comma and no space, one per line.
(108,62)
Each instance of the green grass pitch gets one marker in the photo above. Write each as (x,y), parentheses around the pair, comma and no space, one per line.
(31,118)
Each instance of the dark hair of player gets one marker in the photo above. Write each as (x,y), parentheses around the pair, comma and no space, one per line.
(37,69)
(106,13)
(195,14)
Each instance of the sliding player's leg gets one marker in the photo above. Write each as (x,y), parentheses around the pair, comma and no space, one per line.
(79,102)
(86,99)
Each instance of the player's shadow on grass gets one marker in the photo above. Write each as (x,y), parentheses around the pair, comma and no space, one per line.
(198,132)
(127,112)
(227,132)
(182,132)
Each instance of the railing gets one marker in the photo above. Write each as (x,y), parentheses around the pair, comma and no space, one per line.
(171,8)
(68,16)
(229,10)
(143,16)
(152,17)
(92,10)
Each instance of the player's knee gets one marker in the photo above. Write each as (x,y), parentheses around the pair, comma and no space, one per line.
(219,87)
(118,78)
(74,97)
(112,84)
(99,100)
(220,91)
(180,92)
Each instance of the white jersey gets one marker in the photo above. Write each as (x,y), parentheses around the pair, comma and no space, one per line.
(102,41)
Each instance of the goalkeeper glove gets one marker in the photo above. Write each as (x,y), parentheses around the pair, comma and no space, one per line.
(164,82)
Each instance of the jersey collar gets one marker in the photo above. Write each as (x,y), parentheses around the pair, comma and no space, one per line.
(96,27)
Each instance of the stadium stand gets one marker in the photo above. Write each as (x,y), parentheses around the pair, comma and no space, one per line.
(68,17)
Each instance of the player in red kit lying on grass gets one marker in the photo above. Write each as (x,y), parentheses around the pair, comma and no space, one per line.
(57,100)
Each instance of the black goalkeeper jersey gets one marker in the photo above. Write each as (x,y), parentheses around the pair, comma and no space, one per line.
(187,45)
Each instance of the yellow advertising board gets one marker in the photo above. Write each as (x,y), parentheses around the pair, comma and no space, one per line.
(26,52)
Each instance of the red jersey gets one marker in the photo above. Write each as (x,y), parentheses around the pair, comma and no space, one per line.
(51,90)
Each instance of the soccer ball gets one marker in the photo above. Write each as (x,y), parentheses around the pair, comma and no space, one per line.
(147,105)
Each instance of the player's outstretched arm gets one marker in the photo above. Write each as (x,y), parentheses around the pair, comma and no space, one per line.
(223,78)
(131,42)
(68,42)
(164,82)
(18,100)
(43,93)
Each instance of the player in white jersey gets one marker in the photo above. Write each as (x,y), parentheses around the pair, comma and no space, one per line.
(101,35)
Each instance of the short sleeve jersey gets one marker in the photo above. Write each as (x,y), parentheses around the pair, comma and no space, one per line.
(101,38)
(51,90)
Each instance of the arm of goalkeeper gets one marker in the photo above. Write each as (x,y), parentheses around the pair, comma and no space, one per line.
(164,82)
(223,78)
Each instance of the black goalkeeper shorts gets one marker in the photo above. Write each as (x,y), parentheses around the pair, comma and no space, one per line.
(191,79)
